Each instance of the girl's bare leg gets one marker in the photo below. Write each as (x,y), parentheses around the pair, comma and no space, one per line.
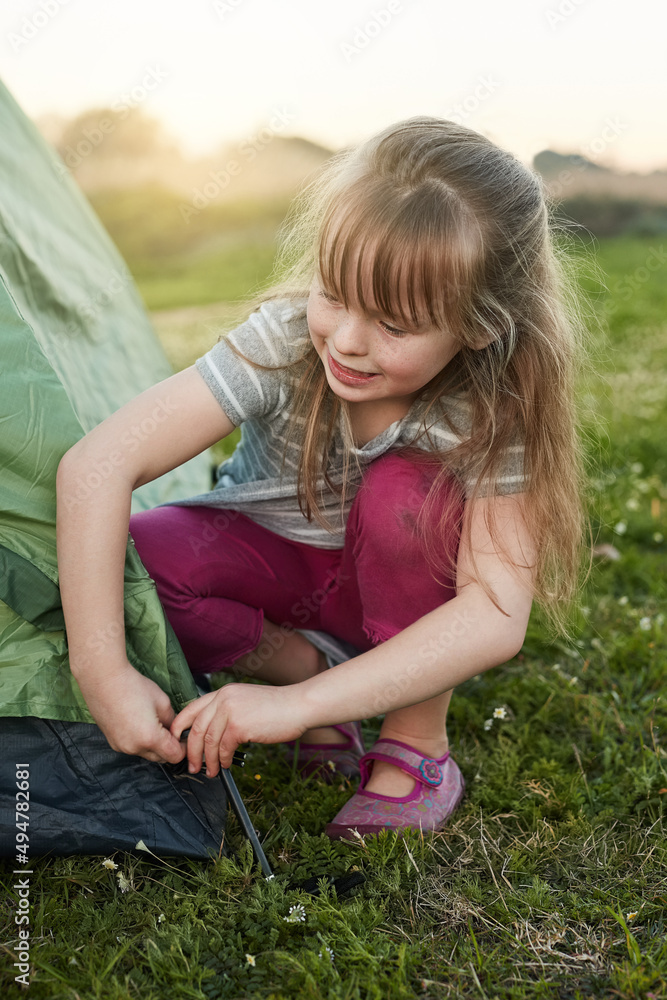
(423,727)
(288,658)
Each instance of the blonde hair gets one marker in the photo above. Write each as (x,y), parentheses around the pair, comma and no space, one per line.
(436,210)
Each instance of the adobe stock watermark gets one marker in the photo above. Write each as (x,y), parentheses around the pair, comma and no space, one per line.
(90,309)
(363,34)
(630,284)
(93,137)
(427,654)
(212,530)
(22,885)
(102,470)
(565,9)
(225,7)
(220,180)
(34,23)
(484,88)
(613,128)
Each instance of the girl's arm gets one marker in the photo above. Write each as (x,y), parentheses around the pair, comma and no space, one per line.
(456,641)
(154,433)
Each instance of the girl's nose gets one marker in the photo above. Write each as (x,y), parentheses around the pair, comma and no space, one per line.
(351,336)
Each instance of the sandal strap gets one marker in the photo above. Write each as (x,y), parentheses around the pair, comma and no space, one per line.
(425,769)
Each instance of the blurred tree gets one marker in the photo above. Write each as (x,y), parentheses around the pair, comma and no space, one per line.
(108,132)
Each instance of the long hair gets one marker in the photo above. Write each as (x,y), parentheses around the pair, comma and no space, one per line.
(462,229)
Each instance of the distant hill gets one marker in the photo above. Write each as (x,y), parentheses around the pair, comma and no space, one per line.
(568,175)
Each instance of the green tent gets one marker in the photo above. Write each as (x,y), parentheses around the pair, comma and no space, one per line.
(76,344)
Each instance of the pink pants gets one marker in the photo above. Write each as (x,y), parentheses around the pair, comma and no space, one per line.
(218,573)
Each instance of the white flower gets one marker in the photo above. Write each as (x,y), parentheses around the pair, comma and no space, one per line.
(108,863)
(250,959)
(556,666)
(123,883)
(573,680)
(632,915)
(637,468)
(161,918)
(632,504)
(488,724)
(623,600)
(500,713)
(328,951)
(297,914)
(645,624)
(620,528)
(658,537)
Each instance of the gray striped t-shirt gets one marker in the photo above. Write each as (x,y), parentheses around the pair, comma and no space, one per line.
(259,400)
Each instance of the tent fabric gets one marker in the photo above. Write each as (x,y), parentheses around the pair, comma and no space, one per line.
(75,345)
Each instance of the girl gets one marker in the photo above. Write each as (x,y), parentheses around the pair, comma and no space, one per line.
(408,480)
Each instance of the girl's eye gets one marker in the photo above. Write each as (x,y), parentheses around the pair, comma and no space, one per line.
(392,330)
(328,296)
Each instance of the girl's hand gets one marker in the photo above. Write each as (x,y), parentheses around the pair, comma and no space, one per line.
(238,713)
(134,714)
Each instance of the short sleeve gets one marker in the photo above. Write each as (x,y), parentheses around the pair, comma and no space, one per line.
(508,476)
(272,336)
(510,479)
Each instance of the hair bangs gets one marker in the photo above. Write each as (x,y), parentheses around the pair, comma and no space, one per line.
(411,258)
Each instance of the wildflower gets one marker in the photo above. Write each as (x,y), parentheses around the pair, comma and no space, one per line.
(108,863)
(573,680)
(632,504)
(488,724)
(258,777)
(620,528)
(161,918)
(297,914)
(645,624)
(250,959)
(556,666)
(658,537)
(631,916)
(123,883)
(331,765)
(328,951)
(637,468)
(500,713)
(623,600)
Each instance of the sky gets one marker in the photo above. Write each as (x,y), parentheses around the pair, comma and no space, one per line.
(584,76)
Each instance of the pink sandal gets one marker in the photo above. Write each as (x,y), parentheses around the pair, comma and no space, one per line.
(329,759)
(438,791)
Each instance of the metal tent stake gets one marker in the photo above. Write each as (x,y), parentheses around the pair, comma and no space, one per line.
(239,808)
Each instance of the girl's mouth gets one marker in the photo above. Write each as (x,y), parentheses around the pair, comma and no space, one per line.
(348,376)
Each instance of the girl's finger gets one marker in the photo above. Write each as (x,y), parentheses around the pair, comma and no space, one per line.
(198,730)
(226,749)
(187,715)
(212,743)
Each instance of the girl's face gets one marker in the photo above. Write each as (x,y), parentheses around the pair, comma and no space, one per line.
(368,356)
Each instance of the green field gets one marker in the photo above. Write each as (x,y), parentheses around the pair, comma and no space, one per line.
(551,881)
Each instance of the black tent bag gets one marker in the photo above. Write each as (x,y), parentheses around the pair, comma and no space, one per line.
(85,798)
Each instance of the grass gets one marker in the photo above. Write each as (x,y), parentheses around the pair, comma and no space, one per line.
(551,880)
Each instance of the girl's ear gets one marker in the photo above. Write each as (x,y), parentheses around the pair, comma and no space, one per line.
(483,340)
